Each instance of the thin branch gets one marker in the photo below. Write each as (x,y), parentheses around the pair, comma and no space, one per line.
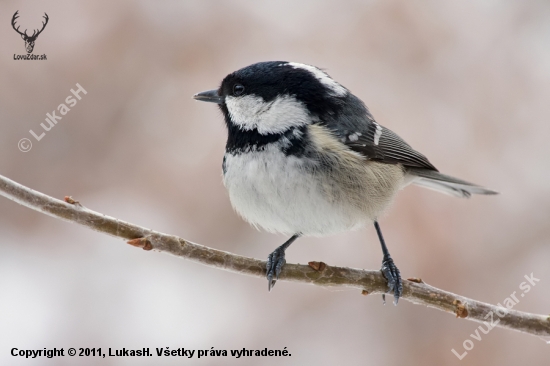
(316,273)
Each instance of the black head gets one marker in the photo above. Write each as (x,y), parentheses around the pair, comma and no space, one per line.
(273,96)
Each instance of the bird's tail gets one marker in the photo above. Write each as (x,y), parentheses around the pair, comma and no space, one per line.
(446,184)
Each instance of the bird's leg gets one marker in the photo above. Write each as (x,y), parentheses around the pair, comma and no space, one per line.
(389,270)
(276,261)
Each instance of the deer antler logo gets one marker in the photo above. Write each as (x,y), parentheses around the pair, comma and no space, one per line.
(29,40)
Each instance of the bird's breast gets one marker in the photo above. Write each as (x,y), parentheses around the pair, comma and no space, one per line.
(288,194)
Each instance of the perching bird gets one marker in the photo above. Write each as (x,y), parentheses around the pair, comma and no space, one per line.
(305,157)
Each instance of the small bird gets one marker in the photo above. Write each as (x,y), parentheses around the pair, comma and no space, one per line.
(305,157)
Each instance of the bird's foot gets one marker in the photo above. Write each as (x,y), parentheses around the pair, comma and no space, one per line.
(392,275)
(275,263)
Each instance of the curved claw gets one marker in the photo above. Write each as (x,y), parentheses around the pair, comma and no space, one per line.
(274,266)
(393,276)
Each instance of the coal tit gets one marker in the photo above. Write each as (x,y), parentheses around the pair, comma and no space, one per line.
(305,157)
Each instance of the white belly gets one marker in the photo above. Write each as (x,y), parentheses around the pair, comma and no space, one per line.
(278,193)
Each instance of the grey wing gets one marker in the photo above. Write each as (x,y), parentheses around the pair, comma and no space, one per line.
(357,129)
(380,144)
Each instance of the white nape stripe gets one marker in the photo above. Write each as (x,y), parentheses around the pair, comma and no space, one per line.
(337,89)
(252,112)
(377,134)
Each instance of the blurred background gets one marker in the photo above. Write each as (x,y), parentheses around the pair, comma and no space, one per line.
(466,83)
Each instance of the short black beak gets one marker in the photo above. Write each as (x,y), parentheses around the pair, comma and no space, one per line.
(209,96)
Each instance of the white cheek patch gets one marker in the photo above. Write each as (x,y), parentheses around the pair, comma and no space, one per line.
(252,112)
(337,89)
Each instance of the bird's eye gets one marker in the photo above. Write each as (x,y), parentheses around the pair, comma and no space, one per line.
(238,89)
